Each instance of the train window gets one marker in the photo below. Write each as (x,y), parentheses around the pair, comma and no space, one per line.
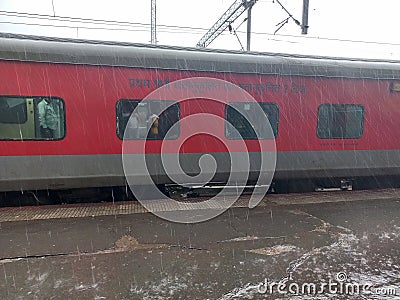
(151,120)
(245,118)
(31,118)
(13,110)
(340,121)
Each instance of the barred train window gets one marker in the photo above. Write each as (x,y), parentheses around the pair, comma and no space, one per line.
(149,121)
(340,121)
(31,118)
(236,114)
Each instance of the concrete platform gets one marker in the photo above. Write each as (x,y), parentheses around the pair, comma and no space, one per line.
(298,241)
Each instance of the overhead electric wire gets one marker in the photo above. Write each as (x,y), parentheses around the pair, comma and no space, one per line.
(70,27)
(324,38)
(87,27)
(145,27)
(88,20)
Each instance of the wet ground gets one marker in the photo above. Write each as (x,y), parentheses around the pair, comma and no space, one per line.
(336,250)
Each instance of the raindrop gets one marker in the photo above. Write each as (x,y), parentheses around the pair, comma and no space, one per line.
(161,262)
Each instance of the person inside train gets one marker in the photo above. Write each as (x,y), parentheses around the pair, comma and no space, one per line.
(131,120)
(155,108)
(48,118)
(153,125)
(168,115)
(132,127)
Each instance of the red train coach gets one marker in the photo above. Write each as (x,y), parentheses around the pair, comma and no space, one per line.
(64,106)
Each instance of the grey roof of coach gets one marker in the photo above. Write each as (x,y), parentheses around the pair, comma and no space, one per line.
(89,52)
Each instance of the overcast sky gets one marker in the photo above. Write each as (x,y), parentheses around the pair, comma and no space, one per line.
(366,28)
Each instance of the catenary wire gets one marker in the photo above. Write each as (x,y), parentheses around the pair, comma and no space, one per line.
(163,28)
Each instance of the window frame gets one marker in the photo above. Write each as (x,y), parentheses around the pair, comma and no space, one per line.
(253,139)
(342,137)
(64,123)
(117,115)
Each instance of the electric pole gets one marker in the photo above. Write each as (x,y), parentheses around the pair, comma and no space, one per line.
(153,23)
(248,27)
(304,24)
